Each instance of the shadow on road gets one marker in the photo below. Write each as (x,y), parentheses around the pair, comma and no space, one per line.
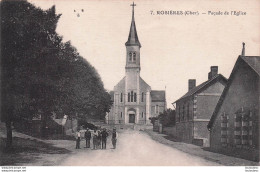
(26,150)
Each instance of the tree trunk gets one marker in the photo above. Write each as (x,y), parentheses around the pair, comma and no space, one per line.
(9,137)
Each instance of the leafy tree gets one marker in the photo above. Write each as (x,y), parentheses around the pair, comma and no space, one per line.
(167,118)
(27,38)
(40,73)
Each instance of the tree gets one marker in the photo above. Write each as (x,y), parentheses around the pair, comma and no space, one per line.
(26,40)
(167,118)
(40,73)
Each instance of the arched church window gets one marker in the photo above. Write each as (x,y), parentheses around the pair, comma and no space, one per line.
(132,96)
(130,56)
(128,97)
(121,97)
(134,56)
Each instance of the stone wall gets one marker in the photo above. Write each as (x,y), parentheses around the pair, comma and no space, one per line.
(243,93)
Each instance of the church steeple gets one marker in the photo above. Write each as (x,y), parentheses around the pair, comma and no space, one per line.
(133,38)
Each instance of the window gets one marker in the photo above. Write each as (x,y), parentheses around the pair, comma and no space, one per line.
(129,97)
(121,97)
(224,130)
(142,115)
(142,97)
(121,114)
(134,97)
(130,56)
(134,56)
(243,128)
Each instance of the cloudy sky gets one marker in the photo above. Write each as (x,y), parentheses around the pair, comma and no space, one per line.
(175,48)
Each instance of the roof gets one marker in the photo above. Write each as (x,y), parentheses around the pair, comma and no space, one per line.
(254,63)
(158,96)
(133,38)
(202,86)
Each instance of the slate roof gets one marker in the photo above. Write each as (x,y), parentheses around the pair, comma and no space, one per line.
(254,63)
(201,86)
(158,96)
(133,38)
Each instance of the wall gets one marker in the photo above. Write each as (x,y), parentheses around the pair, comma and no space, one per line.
(171,131)
(243,92)
(184,120)
(207,100)
(161,106)
(193,114)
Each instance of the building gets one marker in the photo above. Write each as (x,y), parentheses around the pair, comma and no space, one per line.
(234,125)
(134,101)
(194,109)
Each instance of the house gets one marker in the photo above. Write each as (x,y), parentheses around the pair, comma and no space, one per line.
(234,125)
(194,109)
(134,102)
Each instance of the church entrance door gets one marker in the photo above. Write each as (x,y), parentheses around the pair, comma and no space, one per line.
(131,118)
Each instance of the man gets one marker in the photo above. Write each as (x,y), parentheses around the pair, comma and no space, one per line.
(87,137)
(114,138)
(104,135)
(78,139)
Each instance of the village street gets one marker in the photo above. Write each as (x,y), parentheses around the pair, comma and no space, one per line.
(134,148)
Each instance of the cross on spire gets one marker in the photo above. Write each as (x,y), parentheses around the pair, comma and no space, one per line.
(133,5)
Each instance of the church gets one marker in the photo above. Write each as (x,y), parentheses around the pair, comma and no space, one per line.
(134,102)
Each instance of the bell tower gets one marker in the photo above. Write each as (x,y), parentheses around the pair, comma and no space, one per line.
(133,47)
(132,67)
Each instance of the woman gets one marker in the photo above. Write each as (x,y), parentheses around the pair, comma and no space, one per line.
(95,134)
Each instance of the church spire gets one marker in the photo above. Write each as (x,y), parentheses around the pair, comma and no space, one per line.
(243,50)
(133,38)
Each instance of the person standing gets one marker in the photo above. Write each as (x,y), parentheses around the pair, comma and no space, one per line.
(88,138)
(104,136)
(114,138)
(78,139)
(95,139)
(99,140)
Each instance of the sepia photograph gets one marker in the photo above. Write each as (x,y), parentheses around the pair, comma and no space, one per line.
(129,83)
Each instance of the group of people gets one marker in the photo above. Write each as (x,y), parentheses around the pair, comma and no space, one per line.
(99,138)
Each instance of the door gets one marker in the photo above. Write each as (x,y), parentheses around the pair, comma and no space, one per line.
(131,118)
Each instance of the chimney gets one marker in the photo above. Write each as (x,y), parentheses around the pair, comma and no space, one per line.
(213,72)
(192,83)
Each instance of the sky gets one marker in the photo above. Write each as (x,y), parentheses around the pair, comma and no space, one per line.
(175,48)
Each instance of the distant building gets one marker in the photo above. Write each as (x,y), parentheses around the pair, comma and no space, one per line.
(194,109)
(133,100)
(234,125)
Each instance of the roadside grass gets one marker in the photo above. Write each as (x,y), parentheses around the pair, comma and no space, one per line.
(26,150)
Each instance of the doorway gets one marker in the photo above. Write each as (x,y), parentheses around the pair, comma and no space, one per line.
(131,118)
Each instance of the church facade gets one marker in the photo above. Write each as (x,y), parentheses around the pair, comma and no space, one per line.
(134,102)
